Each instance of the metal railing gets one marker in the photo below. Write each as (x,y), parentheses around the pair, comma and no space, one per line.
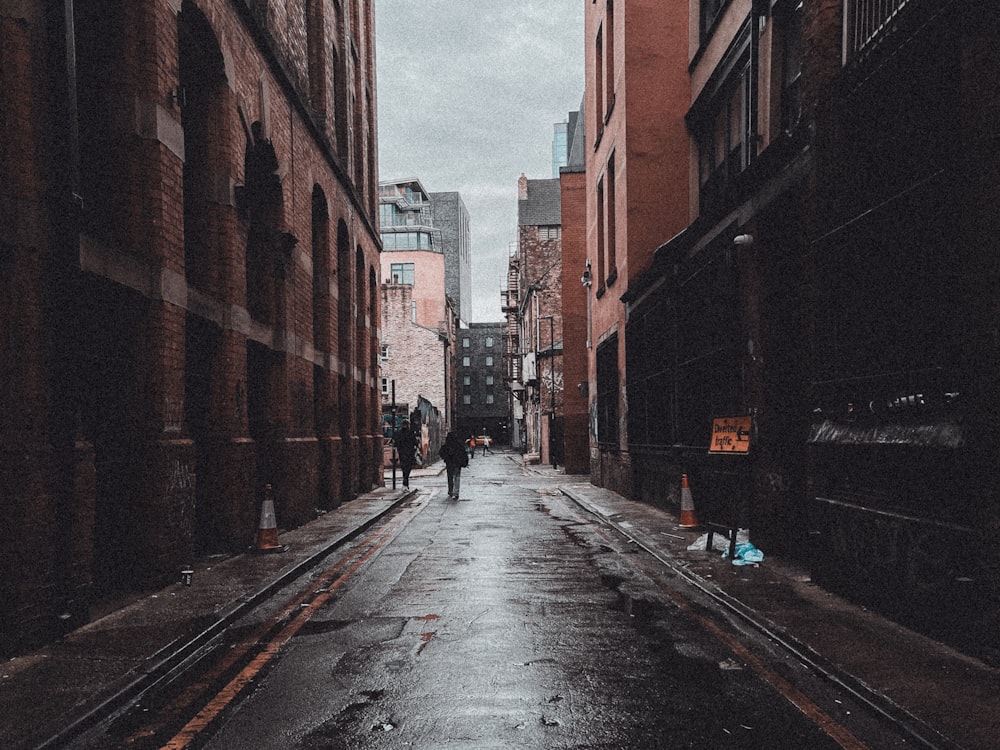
(866,21)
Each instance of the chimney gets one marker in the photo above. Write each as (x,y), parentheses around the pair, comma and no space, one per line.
(522,188)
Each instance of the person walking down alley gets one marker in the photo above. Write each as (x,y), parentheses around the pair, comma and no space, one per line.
(455,457)
(406,450)
(470,445)
(485,440)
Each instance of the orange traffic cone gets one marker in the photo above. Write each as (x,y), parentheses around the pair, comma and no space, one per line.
(267,531)
(688,518)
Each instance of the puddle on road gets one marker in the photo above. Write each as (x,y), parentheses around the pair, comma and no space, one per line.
(320,627)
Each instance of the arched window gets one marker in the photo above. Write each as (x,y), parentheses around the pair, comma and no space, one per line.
(315,52)
(99,39)
(321,270)
(344,328)
(265,207)
(203,83)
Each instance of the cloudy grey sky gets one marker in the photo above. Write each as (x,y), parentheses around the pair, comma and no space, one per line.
(468,92)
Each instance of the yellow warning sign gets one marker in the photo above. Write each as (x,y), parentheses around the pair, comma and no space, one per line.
(731,435)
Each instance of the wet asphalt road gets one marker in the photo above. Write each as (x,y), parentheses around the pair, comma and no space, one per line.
(510,620)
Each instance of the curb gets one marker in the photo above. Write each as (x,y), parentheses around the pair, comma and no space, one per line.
(171,658)
(911,725)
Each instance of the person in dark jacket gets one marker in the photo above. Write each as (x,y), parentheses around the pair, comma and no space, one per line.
(406,450)
(454,455)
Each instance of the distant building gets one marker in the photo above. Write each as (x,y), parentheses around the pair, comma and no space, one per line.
(563,135)
(532,304)
(451,219)
(482,396)
(419,314)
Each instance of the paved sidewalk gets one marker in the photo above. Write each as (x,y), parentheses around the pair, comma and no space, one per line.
(109,661)
(947,698)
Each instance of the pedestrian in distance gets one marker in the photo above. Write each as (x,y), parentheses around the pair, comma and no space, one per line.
(485,440)
(455,458)
(406,450)
(470,445)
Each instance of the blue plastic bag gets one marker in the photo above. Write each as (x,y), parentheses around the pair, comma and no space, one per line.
(746,554)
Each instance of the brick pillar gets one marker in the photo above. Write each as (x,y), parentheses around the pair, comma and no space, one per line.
(32,494)
(163,516)
(29,575)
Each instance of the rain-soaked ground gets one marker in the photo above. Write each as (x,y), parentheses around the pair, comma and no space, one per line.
(507,619)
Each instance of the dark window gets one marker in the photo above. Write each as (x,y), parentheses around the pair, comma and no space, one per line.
(725,143)
(611,242)
(791,67)
(710,11)
(599,85)
(683,358)
(608,392)
(609,59)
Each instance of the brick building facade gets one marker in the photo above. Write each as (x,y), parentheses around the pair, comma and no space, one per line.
(532,303)
(577,302)
(190,256)
(637,167)
(426,264)
(824,190)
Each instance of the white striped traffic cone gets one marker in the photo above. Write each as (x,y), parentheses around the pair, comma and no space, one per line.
(688,518)
(267,531)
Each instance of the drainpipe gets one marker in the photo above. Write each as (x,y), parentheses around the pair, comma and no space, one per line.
(72,121)
(758,11)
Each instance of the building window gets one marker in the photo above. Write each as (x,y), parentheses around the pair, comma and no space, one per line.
(489,361)
(466,342)
(611,242)
(489,398)
(609,59)
(710,11)
(598,86)
(467,399)
(407,241)
(489,380)
(467,380)
(489,342)
(791,67)
(387,215)
(401,273)
(724,143)
(384,352)
(466,362)
(548,233)
(608,392)
(385,386)
(601,258)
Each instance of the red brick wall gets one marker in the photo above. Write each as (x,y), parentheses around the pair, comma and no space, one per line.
(113,346)
(576,430)
(416,354)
